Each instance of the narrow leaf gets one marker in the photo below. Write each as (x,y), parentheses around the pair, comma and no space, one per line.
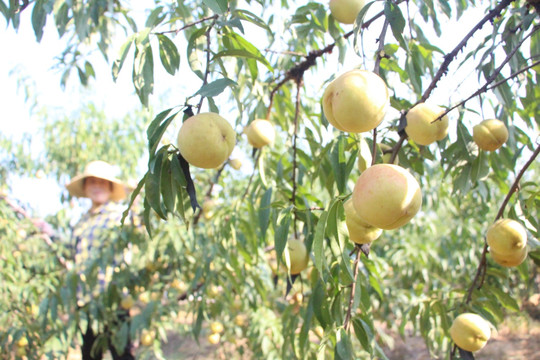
(264,212)
(168,53)
(217,6)
(397,21)
(318,239)
(215,87)
(119,62)
(39,18)
(153,185)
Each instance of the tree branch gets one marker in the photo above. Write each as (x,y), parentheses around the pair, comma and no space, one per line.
(493,76)
(396,147)
(515,185)
(479,277)
(450,57)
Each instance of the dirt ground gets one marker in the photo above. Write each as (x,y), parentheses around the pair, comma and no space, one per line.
(512,342)
(515,340)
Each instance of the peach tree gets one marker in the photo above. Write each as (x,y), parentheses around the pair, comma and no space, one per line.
(215,242)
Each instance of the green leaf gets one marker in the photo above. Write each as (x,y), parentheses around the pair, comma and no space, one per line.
(264,212)
(339,163)
(4,10)
(480,167)
(254,19)
(217,6)
(503,298)
(39,18)
(194,53)
(240,47)
(121,337)
(397,21)
(358,26)
(215,87)
(143,73)
(134,195)
(282,233)
(304,332)
(61,18)
(146,215)
(362,334)
(156,129)
(318,240)
(168,53)
(320,304)
(153,184)
(168,185)
(119,62)
(180,183)
(535,48)
(343,345)
(155,17)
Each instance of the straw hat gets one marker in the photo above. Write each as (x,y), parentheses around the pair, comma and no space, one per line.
(98,169)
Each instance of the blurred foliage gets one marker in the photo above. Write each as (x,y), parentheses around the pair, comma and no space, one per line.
(228,264)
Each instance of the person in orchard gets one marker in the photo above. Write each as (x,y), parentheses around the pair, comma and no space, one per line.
(93,261)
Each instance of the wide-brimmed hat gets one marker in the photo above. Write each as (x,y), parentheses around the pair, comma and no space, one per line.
(102,170)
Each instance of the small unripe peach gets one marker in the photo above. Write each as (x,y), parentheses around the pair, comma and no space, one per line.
(421,125)
(490,134)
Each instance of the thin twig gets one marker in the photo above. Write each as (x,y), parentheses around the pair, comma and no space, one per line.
(521,71)
(396,148)
(492,77)
(450,57)
(256,163)
(188,25)
(515,185)
(478,279)
(207,70)
(209,192)
(347,322)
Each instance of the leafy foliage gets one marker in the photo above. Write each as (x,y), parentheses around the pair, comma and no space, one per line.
(274,64)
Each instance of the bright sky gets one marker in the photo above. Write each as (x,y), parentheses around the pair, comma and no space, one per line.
(34,61)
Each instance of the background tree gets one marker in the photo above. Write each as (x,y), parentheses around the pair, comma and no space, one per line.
(260,59)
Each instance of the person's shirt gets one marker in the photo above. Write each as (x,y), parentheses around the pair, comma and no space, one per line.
(92,235)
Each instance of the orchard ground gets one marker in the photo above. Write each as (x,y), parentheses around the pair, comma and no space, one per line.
(517,339)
